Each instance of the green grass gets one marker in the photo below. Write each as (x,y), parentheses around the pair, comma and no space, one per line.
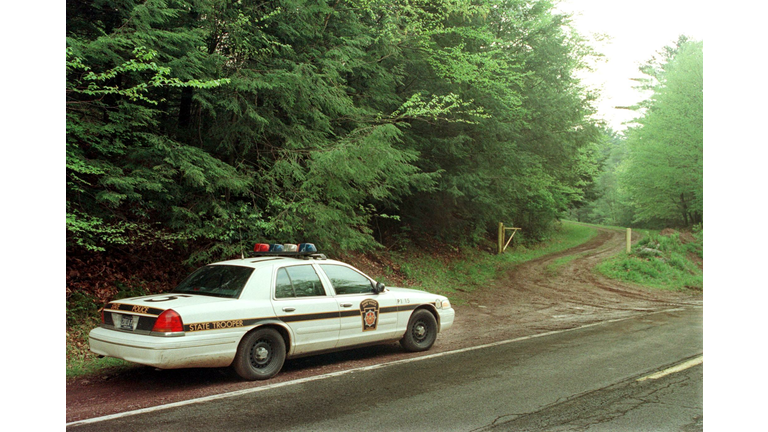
(81,367)
(470,268)
(661,262)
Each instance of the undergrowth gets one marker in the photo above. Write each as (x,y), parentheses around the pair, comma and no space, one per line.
(664,261)
(82,316)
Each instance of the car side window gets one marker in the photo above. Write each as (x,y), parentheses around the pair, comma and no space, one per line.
(298,281)
(347,281)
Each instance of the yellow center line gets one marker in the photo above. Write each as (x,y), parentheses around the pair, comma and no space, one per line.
(681,367)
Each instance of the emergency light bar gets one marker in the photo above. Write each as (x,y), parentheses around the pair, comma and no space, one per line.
(289,250)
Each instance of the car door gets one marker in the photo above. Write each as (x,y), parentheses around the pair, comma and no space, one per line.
(300,300)
(365,316)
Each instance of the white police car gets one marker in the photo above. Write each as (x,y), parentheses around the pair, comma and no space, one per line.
(251,314)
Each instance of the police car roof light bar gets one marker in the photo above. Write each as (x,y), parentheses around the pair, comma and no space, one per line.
(302,250)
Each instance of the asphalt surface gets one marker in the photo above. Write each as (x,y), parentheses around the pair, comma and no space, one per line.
(579,379)
(671,403)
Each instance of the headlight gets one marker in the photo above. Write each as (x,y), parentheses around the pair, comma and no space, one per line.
(442,304)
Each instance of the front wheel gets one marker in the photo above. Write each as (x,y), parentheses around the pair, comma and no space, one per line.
(421,332)
(260,356)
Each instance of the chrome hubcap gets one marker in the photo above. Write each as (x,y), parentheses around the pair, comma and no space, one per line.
(261,354)
(419,331)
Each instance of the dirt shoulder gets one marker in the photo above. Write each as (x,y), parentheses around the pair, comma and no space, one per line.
(541,295)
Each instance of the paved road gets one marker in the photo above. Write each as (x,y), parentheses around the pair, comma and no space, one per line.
(583,379)
(672,402)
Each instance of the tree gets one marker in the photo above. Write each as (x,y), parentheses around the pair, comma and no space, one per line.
(214,123)
(663,174)
(125,173)
(530,157)
(607,203)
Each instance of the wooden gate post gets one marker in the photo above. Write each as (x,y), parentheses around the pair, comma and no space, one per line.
(501,238)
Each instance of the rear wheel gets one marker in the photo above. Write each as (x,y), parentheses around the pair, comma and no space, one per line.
(260,356)
(421,332)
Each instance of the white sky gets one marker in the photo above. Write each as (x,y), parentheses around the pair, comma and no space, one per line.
(637,30)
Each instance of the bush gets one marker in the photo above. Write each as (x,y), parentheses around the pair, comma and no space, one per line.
(81,307)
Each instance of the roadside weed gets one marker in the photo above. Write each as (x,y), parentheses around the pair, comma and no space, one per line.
(659,261)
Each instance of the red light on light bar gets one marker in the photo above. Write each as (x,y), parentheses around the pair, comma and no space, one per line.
(261,247)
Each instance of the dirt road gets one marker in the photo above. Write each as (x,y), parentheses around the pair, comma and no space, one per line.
(538,296)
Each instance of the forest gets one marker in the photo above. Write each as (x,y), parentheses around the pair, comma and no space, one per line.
(653,175)
(195,129)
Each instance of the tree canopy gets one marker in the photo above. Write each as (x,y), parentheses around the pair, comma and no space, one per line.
(664,173)
(654,175)
(343,122)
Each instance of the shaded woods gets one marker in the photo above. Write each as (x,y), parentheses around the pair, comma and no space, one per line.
(196,128)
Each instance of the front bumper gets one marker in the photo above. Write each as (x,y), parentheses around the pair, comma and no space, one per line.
(446,318)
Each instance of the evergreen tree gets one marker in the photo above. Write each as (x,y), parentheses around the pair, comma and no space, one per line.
(125,172)
(530,155)
(217,123)
(664,173)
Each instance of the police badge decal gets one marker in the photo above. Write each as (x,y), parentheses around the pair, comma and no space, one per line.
(369,309)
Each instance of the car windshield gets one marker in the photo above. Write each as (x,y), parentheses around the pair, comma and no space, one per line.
(216,280)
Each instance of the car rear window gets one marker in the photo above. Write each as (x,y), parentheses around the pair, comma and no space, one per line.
(216,280)
(347,281)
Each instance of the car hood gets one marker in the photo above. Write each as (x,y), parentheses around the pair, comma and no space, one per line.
(413,292)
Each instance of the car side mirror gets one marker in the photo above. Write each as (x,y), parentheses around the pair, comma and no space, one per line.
(378,287)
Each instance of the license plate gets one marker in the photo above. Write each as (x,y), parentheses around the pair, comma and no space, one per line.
(127,322)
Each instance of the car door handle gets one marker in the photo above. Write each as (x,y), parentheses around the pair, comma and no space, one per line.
(288,309)
(346,305)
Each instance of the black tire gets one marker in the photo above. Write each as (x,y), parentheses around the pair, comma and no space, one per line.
(260,356)
(421,332)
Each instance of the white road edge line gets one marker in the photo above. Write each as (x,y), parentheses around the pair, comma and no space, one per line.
(344,372)
(679,368)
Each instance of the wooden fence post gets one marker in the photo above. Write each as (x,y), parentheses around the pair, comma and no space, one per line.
(501,238)
(629,240)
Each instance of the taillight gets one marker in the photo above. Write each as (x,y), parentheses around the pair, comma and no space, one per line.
(168,322)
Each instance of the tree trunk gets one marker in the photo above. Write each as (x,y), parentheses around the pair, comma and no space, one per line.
(185,107)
